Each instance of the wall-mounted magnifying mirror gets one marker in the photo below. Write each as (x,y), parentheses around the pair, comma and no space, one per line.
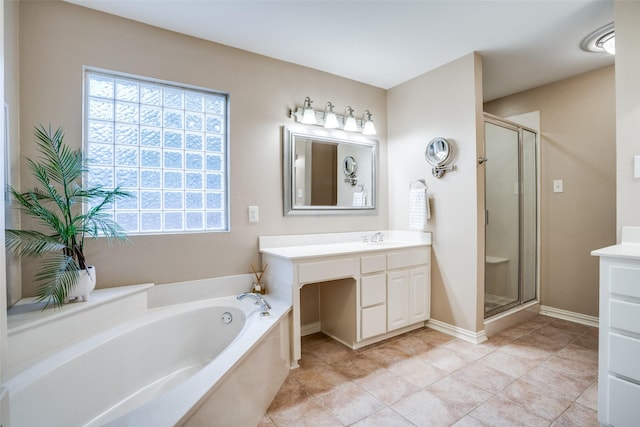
(349,166)
(320,167)
(438,154)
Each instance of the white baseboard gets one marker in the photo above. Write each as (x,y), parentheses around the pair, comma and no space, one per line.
(310,328)
(571,316)
(463,334)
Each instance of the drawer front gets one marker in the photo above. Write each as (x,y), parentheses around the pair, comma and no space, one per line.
(624,353)
(623,403)
(624,315)
(319,271)
(408,258)
(625,281)
(373,263)
(373,290)
(373,321)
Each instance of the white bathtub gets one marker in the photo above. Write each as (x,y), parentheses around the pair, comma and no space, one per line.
(173,365)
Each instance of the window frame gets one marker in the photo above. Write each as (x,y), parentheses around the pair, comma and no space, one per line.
(226,174)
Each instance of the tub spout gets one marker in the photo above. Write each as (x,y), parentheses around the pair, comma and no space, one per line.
(264,305)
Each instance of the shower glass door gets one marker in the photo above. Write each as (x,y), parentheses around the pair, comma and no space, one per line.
(510,216)
(502,218)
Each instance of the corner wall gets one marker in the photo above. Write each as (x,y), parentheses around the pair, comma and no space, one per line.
(445,102)
(577,145)
(627,17)
(57,39)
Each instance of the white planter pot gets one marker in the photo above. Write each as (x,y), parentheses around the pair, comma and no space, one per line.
(86,284)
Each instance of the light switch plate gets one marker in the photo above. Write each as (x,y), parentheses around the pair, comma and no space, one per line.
(558,186)
(254,214)
(636,166)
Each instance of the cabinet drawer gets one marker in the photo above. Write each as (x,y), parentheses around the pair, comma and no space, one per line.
(623,356)
(373,290)
(373,263)
(402,259)
(624,315)
(625,281)
(623,403)
(326,270)
(373,321)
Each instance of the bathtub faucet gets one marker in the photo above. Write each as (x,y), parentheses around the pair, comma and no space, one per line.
(264,305)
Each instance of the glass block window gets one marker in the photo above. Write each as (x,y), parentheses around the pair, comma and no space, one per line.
(166,144)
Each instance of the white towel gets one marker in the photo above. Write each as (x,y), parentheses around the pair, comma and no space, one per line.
(359,198)
(419,211)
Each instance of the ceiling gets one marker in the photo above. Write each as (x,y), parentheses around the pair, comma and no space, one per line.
(524,43)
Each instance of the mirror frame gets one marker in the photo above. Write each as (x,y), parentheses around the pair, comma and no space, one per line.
(289,133)
(433,150)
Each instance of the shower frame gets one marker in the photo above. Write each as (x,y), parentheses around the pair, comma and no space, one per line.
(519,303)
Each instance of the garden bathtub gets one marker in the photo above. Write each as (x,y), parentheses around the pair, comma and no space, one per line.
(182,364)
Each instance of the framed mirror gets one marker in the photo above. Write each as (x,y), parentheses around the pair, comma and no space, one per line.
(328,172)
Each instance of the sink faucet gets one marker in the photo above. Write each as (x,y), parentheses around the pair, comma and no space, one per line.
(264,305)
(378,237)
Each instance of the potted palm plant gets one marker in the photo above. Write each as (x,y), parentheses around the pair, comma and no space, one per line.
(56,205)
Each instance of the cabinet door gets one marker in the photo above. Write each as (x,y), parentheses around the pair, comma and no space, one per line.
(397,299)
(419,295)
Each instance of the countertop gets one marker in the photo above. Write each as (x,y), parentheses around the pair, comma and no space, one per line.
(332,249)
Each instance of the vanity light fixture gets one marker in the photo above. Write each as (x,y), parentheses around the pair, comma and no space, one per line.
(330,119)
(350,123)
(368,127)
(308,115)
(601,40)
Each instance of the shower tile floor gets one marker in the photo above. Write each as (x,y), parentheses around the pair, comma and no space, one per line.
(542,372)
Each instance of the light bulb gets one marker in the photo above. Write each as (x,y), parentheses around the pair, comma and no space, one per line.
(308,115)
(368,128)
(609,45)
(350,121)
(330,119)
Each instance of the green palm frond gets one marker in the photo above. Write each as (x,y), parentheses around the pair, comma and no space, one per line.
(31,243)
(59,274)
(55,203)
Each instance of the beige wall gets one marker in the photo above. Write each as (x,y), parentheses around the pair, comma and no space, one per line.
(627,17)
(577,123)
(445,102)
(57,39)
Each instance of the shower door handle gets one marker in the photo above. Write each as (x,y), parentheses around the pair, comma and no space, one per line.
(486,217)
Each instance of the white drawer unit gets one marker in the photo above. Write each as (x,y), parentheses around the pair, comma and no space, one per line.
(367,292)
(619,343)
(373,290)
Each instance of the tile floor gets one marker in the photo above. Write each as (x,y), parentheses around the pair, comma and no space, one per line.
(539,373)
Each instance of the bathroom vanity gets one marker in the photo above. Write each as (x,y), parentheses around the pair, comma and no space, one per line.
(369,290)
(619,337)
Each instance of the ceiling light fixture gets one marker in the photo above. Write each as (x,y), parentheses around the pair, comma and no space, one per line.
(330,119)
(601,40)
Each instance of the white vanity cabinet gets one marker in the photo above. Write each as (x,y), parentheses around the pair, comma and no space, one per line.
(619,336)
(368,292)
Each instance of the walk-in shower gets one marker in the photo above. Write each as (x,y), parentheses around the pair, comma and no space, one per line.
(511,215)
